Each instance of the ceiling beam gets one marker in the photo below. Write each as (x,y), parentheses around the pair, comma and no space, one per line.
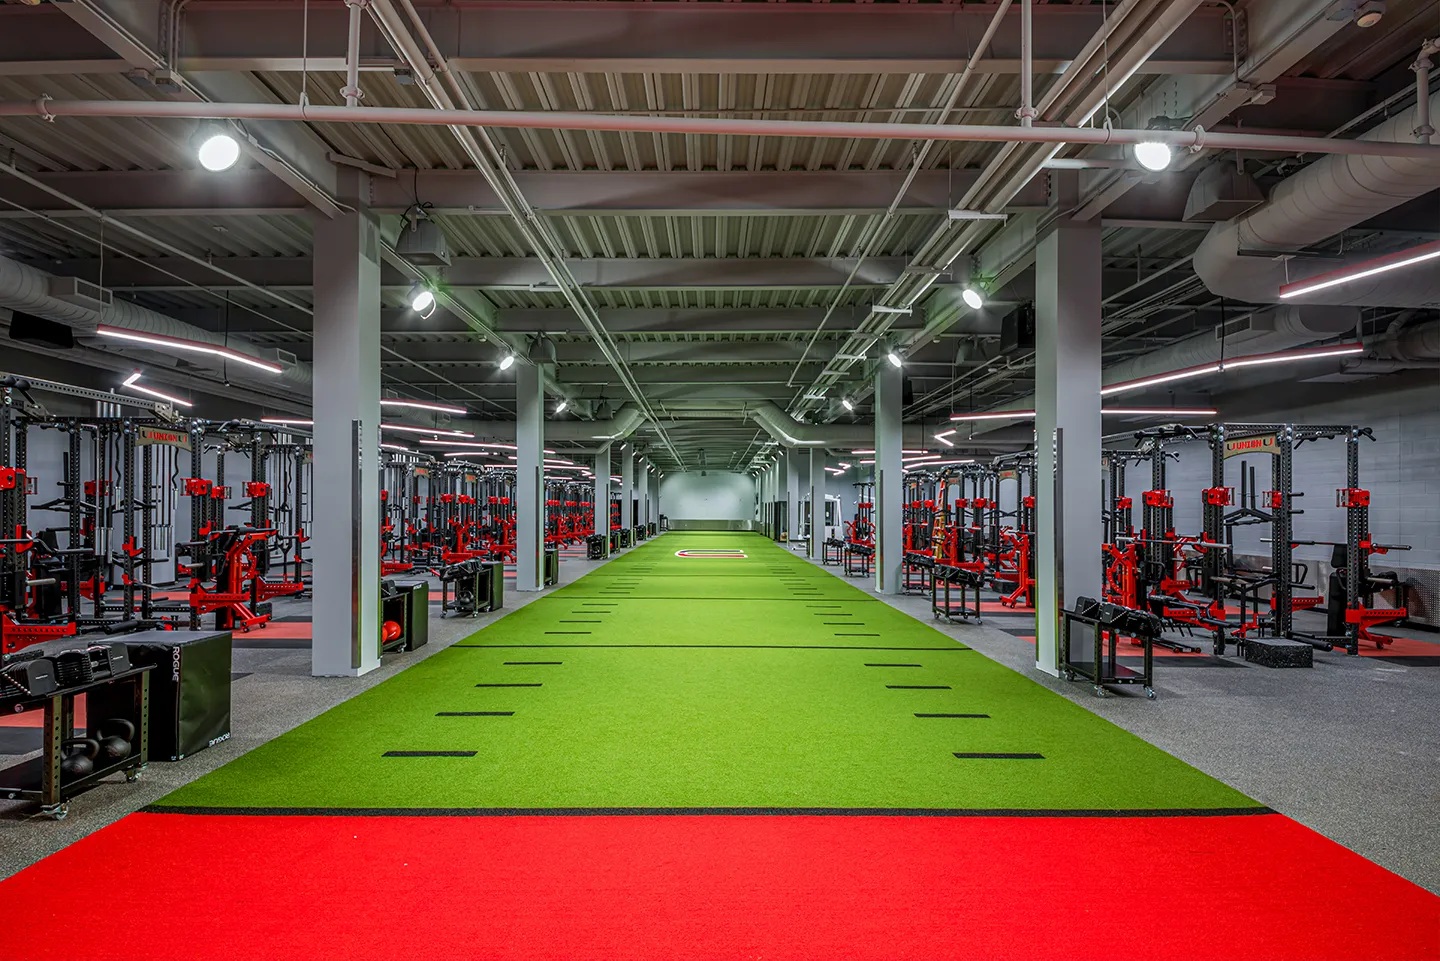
(518,37)
(507,273)
(649,193)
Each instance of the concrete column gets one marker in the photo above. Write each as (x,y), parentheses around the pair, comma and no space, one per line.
(346,400)
(889,479)
(529,477)
(818,477)
(627,487)
(602,496)
(1067,399)
(644,495)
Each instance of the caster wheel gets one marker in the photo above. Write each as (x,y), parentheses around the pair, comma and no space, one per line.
(56,813)
(1150,694)
(132,776)
(1099,692)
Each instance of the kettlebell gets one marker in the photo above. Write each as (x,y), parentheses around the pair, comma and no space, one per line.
(81,763)
(116,747)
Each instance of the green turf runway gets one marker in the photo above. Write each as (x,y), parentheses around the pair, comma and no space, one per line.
(758,694)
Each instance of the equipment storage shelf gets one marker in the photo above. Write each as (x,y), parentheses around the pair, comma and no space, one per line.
(40,779)
(1088,650)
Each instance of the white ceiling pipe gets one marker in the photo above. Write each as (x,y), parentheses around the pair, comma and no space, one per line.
(25,288)
(844,130)
(1327,197)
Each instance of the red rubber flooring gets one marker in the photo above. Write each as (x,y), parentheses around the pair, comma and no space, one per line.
(718,887)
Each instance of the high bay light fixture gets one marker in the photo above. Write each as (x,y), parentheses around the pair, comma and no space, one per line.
(215,147)
(421,299)
(507,361)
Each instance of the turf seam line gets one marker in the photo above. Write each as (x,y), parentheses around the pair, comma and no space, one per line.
(734,811)
(428,754)
(952,715)
(917,687)
(475,714)
(894,665)
(992,756)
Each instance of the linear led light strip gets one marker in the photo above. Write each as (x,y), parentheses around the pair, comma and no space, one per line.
(130,382)
(1113,411)
(434,431)
(420,405)
(1249,360)
(1369,268)
(907,450)
(175,343)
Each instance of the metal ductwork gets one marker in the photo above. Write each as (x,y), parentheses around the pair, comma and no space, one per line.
(1331,195)
(583,433)
(791,433)
(33,291)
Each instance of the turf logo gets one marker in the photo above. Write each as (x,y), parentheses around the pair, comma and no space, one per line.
(724,554)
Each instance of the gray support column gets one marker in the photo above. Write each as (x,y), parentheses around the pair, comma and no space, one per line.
(644,496)
(792,493)
(1067,398)
(529,477)
(627,487)
(602,497)
(346,400)
(889,480)
(818,477)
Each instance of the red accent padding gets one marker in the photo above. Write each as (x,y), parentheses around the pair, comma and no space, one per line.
(203,887)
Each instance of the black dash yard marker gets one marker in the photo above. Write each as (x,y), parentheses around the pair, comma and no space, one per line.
(843,623)
(952,715)
(531,684)
(563,621)
(1000,757)
(894,665)
(847,634)
(532,663)
(476,714)
(827,605)
(567,632)
(831,613)
(428,754)
(918,687)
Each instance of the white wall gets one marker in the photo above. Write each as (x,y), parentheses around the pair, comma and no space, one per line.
(716,496)
(1401,469)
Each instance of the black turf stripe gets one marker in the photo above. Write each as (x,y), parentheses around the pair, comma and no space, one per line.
(917,687)
(952,715)
(476,714)
(531,663)
(743,811)
(527,684)
(428,754)
(564,621)
(847,634)
(986,756)
(842,623)
(568,632)
(894,665)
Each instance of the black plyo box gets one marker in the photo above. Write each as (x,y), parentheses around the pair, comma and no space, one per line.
(189,689)
(1278,652)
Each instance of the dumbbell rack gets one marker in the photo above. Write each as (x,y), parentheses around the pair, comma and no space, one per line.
(125,695)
